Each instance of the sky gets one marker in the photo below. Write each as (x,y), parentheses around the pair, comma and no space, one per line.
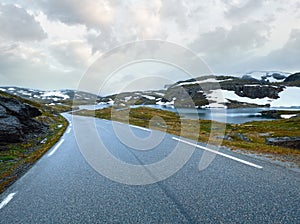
(52,44)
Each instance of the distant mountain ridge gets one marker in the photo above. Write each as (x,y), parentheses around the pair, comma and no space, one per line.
(51,97)
(251,89)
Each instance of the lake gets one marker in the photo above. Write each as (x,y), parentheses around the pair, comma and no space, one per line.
(235,116)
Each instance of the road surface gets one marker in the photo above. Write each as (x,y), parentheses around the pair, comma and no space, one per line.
(63,188)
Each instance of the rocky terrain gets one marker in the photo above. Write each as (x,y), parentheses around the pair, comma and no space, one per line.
(55,97)
(254,89)
(17,121)
(28,129)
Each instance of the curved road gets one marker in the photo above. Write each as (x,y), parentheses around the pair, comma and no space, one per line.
(63,188)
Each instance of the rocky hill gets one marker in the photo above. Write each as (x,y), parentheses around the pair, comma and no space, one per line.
(55,97)
(253,89)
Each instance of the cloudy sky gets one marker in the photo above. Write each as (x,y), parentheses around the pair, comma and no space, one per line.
(51,44)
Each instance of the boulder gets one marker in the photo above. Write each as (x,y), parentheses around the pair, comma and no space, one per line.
(16,121)
(243,137)
(288,142)
(10,129)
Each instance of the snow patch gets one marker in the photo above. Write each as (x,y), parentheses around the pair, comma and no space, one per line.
(160,94)
(111,102)
(127,98)
(56,94)
(287,116)
(221,96)
(149,97)
(198,82)
(288,98)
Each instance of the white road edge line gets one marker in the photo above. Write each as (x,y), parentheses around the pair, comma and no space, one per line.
(138,127)
(7,200)
(219,153)
(56,147)
(68,130)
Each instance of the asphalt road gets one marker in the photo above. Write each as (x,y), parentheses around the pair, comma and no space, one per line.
(63,188)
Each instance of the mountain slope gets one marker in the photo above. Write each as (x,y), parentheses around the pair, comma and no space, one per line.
(54,97)
(253,89)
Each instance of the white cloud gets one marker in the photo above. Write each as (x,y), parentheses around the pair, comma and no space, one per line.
(58,38)
(58,30)
(94,14)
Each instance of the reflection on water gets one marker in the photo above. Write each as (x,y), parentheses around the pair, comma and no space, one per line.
(93,107)
(235,116)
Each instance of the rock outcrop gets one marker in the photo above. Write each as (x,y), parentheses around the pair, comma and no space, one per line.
(293,77)
(186,96)
(258,91)
(271,114)
(17,121)
(288,142)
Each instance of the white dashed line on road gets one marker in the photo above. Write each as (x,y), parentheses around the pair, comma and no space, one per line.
(144,129)
(7,200)
(56,147)
(219,153)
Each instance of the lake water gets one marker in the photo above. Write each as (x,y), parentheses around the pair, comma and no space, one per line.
(235,116)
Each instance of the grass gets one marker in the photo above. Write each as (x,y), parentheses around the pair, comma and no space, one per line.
(17,158)
(256,131)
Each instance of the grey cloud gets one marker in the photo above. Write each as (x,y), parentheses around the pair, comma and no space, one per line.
(29,71)
(103,41)
(243,11)
(227,47)
(17,25)
(286,57)
(174,10)
(242,37)
(72,54)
